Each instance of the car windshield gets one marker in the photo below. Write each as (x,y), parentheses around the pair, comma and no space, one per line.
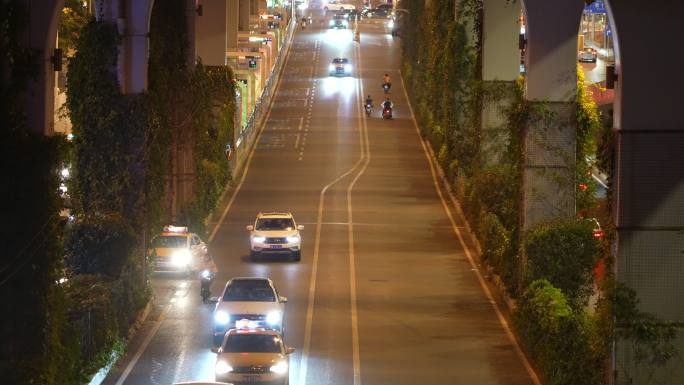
(169,241)
(340,61)
(275,224)
(251,291)
(252,343)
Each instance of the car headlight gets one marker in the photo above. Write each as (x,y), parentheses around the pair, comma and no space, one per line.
(273,318)
(222,367)
(390,24)
(221,317)
(293,238)
(331,67)
(259,239)
(181,258)
(279,368)
(347,67)
(206,274)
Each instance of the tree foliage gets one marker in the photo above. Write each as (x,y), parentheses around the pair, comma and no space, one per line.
(564,343)
(564,253)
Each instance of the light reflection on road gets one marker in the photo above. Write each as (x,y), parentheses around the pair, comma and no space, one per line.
(345,86)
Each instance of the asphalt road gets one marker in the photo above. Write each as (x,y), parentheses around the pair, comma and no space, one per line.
(384,293)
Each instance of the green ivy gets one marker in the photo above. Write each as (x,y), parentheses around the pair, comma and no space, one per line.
(564,253)
(564,343)
(194,105)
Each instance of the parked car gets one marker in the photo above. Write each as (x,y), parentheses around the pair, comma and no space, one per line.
(587,55)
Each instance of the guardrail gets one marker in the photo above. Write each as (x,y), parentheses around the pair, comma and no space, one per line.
(256,117)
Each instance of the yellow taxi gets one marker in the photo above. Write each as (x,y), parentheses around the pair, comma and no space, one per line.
(177,249)
(253,356)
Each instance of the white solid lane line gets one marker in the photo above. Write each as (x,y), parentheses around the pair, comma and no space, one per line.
(303,367)
(466,249)
(356,356)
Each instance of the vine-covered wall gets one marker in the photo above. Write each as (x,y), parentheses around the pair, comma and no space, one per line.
(548,269)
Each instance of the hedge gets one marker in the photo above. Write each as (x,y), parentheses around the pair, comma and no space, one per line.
(563,252)
(564,343)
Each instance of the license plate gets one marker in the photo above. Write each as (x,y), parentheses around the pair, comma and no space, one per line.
(276,246)
(251,378)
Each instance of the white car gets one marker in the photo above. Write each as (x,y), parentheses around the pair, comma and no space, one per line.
(337,5)
(253,356)
(340,66)
(275,233)
(249,303)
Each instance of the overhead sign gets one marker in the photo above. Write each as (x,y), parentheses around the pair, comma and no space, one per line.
(597,6)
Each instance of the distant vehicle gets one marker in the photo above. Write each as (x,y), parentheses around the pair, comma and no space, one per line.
(253,356)
(277,234)
(340,66)
(176,249)
(337,5)
(339,22)
(381,11)
(597,231)
(251,302)
(587,55)
(351,14)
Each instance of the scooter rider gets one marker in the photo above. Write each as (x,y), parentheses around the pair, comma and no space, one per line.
(369,101)
(387,109)
(209,266)
(386,80)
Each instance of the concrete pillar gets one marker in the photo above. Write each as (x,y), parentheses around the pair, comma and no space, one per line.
(549,185)
(133,22)
(191,15)
(500,69)
(41,35)
(211,33)
(243,18)
(552,49)
(254,7)
(232,17)
(648,195)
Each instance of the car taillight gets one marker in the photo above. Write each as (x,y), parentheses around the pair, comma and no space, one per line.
(598,234)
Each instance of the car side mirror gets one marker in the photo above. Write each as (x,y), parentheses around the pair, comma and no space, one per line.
(290,350)
(282,299)
(250,228)
(300,227)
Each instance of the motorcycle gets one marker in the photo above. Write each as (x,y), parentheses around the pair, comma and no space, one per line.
(387,112)
(386,87)
(369,109)
(205,283)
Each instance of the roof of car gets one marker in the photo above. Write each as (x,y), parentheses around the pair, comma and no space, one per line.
(250,279)
(262,331)
(275,214)
(172,234)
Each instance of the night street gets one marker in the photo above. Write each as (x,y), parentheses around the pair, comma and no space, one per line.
(395,298)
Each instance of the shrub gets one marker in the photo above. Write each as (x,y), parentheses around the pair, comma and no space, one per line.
(497,249)
(563,252)
(562,342)
(498,190)
(99,245)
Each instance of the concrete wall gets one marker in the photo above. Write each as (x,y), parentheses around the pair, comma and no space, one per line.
(649,171)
